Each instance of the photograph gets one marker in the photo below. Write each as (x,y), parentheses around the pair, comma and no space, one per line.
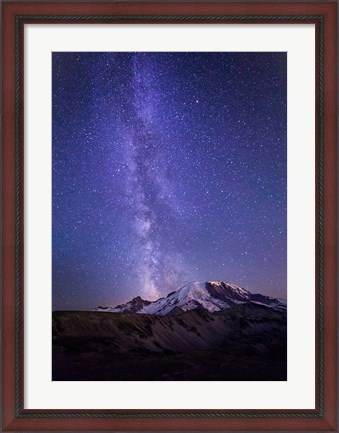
(169,216)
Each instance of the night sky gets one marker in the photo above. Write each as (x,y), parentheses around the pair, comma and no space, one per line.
(167,168)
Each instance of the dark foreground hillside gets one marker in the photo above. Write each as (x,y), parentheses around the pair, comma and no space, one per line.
(245,342)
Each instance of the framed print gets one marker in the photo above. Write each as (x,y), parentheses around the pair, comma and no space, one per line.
(169,216)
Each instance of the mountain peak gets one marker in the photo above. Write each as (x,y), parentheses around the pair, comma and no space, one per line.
(139,299)
(211,295)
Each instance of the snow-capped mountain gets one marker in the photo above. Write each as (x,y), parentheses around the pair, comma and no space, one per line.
(211,295)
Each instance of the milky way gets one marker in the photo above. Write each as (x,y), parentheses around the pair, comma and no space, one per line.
(167,168)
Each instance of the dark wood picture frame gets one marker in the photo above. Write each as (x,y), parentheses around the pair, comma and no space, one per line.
(14,416)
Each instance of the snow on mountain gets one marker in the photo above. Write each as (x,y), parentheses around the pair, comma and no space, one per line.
(212,296)
(133,306)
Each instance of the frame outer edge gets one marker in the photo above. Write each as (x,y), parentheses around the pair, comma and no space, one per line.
(8,279)
(9,421)
(330,222)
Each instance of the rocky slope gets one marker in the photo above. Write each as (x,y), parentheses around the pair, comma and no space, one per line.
(243,342)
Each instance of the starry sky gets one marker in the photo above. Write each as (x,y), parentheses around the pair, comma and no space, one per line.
(167,168)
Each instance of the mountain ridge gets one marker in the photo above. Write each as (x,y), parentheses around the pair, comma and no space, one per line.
(212,296)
